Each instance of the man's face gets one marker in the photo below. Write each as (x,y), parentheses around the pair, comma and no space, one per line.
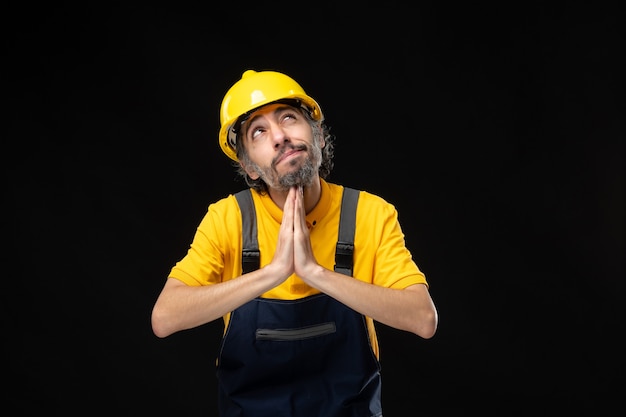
(280,146)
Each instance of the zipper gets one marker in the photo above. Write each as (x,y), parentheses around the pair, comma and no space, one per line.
(296,334)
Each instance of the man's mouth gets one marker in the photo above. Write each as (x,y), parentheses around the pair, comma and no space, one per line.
(286,154)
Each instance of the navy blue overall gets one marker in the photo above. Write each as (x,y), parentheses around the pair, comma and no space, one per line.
(303,358)
(309,357)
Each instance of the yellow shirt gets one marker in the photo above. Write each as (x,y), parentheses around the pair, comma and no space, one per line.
(380,254)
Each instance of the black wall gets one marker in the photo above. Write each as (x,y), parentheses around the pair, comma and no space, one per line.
(497,132)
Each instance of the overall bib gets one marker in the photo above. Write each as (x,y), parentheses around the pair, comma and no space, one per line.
(297,358)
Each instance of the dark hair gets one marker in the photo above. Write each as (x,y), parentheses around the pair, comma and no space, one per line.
(320,131)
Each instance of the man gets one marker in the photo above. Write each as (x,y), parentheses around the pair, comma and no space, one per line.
(299,337)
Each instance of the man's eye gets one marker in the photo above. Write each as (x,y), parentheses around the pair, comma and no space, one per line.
(288,116)
(255,132)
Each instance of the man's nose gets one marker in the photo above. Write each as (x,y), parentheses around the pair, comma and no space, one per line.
(278,134)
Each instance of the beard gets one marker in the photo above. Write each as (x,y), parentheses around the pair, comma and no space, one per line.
(302,176)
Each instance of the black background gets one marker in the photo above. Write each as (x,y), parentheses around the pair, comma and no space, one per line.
(496,130)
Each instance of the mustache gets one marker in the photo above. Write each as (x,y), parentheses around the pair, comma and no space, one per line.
(289,147)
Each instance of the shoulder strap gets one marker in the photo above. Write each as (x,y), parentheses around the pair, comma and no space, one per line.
(347,223)
(250,256)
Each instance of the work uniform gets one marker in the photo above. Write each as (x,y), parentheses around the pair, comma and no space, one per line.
(294,351)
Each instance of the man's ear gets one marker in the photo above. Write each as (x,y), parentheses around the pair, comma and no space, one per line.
(251,173)
(322,140)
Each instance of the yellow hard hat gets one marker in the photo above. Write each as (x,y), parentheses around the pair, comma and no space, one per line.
(253,90)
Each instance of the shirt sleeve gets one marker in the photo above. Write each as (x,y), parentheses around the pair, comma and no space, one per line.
(384,258)
(211,256)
